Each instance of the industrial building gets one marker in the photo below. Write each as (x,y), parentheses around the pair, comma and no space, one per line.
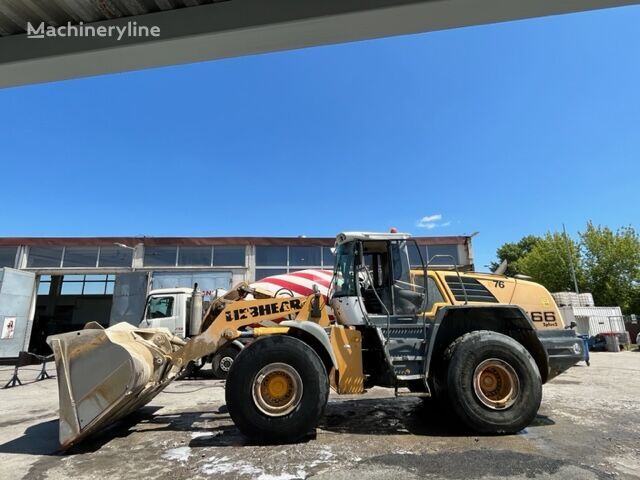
(106,279)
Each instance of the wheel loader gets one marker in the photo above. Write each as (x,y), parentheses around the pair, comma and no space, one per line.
(483,359)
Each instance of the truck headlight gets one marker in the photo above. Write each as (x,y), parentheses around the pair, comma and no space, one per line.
(577,348)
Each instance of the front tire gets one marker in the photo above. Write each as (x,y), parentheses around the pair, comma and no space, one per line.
(493,383)
(277,390)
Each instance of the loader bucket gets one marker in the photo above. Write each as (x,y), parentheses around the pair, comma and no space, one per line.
(105,374)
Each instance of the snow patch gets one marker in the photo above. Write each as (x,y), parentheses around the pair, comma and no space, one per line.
(627,463)
(222,465)
(180,454)
(205,434)
(300,473)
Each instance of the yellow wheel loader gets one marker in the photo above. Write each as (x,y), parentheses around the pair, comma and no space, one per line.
(485,359)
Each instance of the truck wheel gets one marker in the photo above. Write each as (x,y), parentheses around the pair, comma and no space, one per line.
(493,383)
(277,389)
(191,370)
(222,361)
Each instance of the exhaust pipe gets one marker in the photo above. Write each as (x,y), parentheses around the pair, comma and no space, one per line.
(195,314)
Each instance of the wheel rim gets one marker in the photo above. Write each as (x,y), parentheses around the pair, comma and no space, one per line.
(277,389)
(496,384)
(225,363)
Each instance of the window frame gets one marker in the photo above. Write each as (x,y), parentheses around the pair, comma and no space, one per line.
(290,267)
(109,279)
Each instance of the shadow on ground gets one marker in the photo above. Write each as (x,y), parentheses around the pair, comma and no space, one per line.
(387,416)
(391,416)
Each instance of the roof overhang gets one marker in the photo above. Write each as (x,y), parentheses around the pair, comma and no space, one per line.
(243,27)
(202,241)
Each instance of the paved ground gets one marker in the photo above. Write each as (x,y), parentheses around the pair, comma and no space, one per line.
(588,428)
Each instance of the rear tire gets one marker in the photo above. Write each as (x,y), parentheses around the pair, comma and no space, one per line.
(277,390)
(493,383)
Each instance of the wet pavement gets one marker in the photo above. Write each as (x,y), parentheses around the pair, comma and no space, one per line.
(588,428)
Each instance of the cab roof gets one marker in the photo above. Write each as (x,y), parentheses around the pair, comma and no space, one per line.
(163,291)
(350,236)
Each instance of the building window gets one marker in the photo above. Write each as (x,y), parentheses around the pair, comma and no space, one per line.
(278,260)
(271,256)
(44,285)
(269,272)
(328,258)
(115,257)
(160,256)
(42,257)
(79,257)
(87,285)
(194,256)
(429,253)
(449,252)
(305,256)
(229,256)
(8,256)
(414,254)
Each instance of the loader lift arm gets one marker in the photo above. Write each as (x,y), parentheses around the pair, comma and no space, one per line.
(224,323)
(105,374)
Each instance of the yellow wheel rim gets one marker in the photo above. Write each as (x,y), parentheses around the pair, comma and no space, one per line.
(277,389)
(496,384)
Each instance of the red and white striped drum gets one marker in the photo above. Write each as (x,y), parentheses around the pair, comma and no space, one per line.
(299,283)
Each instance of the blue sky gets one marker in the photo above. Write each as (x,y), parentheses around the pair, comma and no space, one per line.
(505,129)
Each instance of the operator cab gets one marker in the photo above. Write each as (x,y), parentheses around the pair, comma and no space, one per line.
(372,290)
(372,278)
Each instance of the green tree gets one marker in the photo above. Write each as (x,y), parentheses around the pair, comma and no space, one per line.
(634,304)
(548,262)
(513,252)
(612,265)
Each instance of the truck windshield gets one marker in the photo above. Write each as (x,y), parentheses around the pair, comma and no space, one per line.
(344,275)
(160,307)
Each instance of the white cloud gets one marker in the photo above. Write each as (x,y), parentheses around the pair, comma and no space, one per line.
(430,218)
(431,221)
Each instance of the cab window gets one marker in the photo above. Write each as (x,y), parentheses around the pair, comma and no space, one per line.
(434,293)
(160,307)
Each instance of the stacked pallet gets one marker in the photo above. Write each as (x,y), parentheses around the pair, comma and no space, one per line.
(571,299)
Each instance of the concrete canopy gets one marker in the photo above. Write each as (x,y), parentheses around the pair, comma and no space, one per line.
(197,30)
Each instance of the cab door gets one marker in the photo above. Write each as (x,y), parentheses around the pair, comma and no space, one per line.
(393,304)
(165,311)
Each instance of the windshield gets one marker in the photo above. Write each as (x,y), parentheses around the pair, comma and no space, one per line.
(160,307)
(344,276)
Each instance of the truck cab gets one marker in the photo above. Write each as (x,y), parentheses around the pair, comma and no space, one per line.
(181,311)
(169,308)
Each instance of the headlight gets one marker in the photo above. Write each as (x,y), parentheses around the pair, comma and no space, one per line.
(577,348)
